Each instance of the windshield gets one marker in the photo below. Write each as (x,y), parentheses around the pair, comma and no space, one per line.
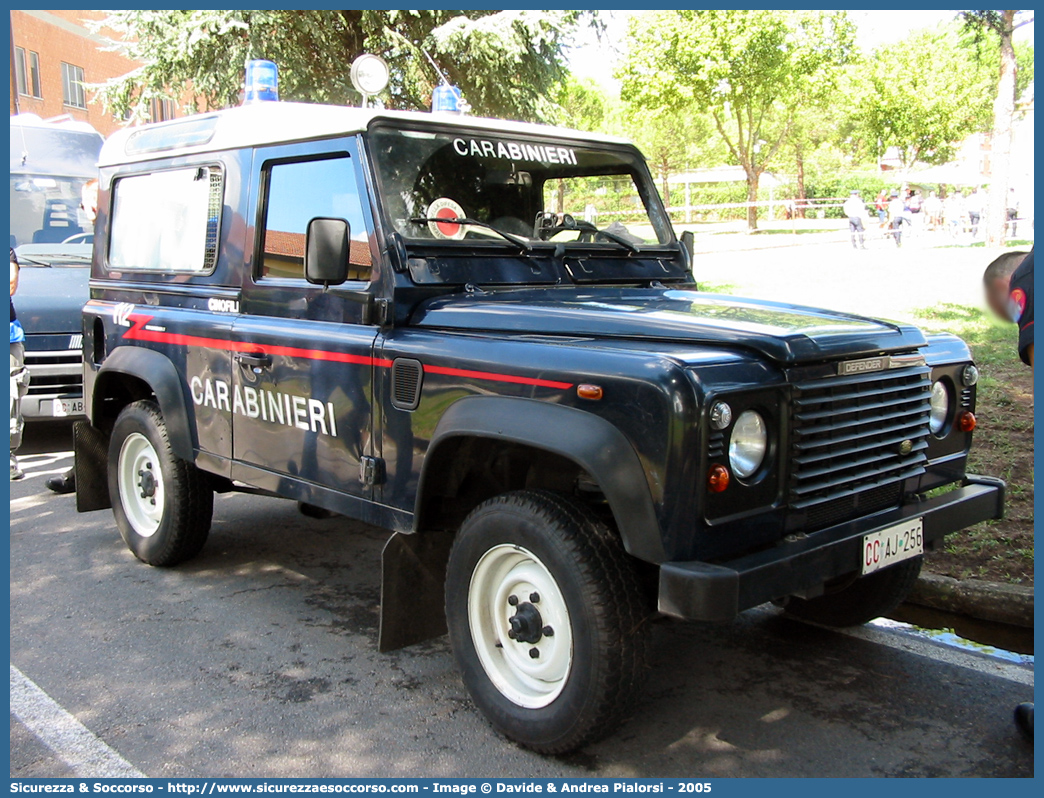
(533,190)
(46,210)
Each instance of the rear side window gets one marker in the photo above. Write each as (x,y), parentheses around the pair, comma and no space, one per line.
(298,192)
(166,221)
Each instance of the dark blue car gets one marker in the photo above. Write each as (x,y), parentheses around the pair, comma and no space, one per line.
(50,163)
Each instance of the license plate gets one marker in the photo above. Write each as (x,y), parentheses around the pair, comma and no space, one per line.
(895,544)
(67,407)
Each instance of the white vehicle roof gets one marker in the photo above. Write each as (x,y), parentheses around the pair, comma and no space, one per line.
(57,123)
(279,122)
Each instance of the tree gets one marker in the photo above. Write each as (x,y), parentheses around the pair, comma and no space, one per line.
(507,63)
(584,105)
(999,25)
(922,95)
(812,131)
(672,139)
(750,70)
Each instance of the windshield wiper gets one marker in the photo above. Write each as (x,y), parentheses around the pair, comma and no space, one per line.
(26,260)
(521,243)
(54,258)
(623,242)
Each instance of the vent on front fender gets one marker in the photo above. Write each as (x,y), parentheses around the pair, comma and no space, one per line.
(407,378)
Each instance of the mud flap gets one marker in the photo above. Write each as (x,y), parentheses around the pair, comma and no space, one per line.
(413,588)
(91,450)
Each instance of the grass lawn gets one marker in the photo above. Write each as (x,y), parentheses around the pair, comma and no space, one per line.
(1003,447)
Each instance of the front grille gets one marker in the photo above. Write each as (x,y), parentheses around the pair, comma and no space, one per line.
(847,434)
(72,358)
(55,373)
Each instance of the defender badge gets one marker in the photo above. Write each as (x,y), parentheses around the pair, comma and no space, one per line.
(864,366)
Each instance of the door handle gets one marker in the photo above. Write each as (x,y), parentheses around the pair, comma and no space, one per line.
(256,362)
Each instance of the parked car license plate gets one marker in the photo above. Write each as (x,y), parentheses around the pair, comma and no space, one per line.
(895,544)
(67,407)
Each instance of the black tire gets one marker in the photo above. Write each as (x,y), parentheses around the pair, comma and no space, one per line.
(181,497)
(866,598)
(607,613)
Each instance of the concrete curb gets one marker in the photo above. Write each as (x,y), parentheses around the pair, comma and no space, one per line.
(986,601)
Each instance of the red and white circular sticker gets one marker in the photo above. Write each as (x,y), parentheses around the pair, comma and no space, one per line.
(445,208)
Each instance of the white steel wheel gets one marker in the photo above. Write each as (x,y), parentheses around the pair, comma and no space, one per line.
(545,616)
(520,626)
(141,484)
(162,504)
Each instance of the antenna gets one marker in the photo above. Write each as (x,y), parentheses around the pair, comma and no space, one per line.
(431,60)
(434,66)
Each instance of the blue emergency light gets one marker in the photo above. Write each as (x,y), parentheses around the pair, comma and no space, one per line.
(446,98)
(262,81)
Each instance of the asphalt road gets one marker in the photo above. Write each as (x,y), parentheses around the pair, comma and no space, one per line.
(259,659)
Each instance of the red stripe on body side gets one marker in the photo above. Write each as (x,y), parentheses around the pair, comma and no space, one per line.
(139,333)
(488,375)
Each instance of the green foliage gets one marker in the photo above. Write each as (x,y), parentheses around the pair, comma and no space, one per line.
(507,63)
(836,186)
(583,105)
(923,95)
(749,70)
(713,194)
(672,140)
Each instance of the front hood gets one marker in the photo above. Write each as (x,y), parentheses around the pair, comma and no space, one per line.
(51,299)
(785,333)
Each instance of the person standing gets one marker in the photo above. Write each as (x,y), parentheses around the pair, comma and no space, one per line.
(881,206)
(933,211)
(19,374)
(914,206)
(1012,213)
(953,210)
(1008,282)
(896,217)
(855,209)
(974,207)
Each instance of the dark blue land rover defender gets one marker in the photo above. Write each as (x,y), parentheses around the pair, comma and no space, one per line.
(486,338)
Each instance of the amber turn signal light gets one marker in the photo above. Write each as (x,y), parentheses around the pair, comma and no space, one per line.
(966,421)
(717,478)
(588,391)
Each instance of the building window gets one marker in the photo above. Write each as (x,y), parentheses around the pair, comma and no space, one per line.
(34,74)
(161,110)
(27,72)
(73,93)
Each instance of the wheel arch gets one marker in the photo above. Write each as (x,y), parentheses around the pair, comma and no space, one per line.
(560,435)
(132,373)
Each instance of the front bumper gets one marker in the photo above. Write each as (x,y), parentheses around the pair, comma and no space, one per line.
(704,592)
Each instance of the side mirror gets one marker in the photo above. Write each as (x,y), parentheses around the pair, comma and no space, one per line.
(326,251)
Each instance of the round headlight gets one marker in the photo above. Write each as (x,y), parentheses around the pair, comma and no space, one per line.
(940,412)
(970,375)
(748,443)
